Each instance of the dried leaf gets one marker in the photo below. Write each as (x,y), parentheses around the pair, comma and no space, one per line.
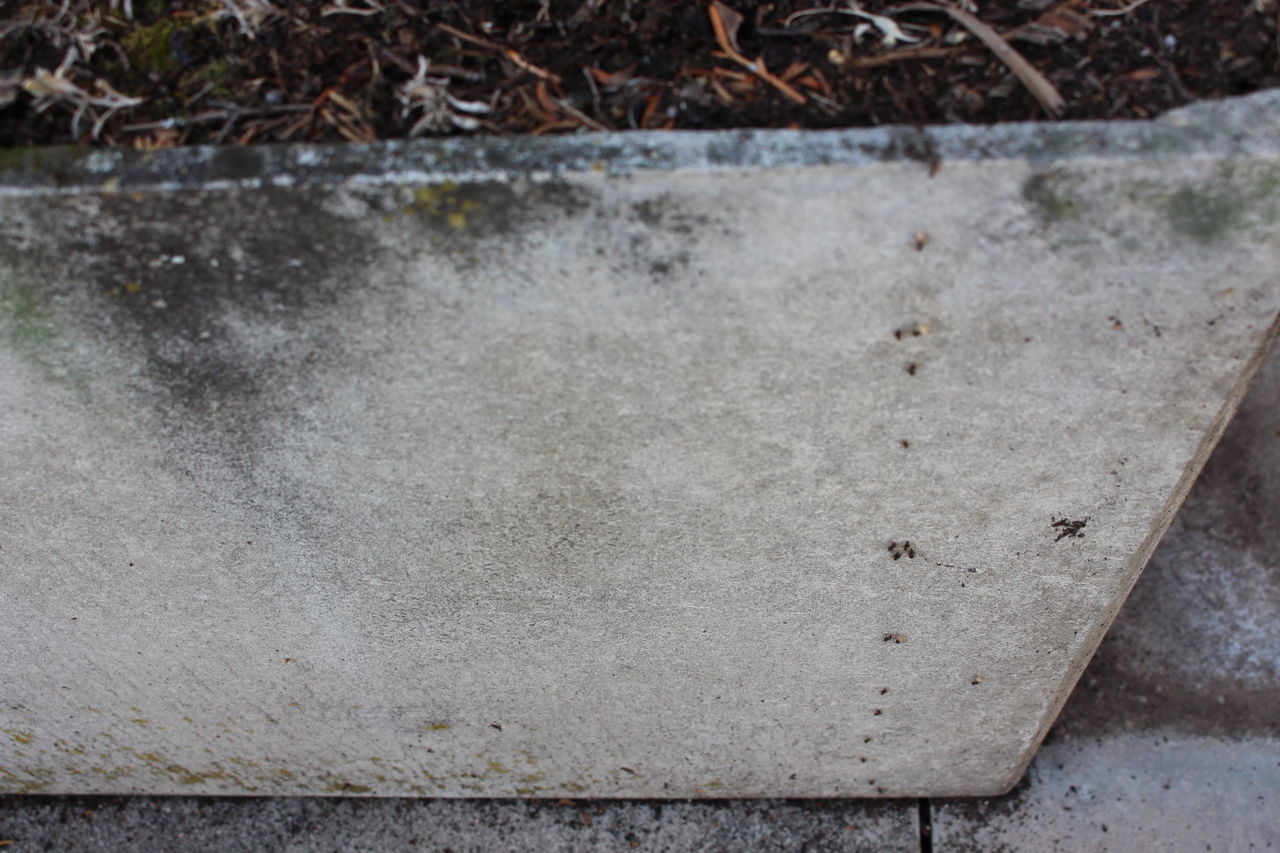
(726,22)
(1056,25)
(612,79)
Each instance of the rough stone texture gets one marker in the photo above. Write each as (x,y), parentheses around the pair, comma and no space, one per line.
(550,475)
(463,826)
(1172,740)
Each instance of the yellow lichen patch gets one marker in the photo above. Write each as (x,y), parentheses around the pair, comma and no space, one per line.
(280,771)
(129,287)
(436,727)
(496,766)
(140,721)
(66,747)
(25,780)
(20,736)
(444,204)
(347,788)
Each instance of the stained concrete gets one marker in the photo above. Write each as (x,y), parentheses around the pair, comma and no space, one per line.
(684,470)
(1167,742)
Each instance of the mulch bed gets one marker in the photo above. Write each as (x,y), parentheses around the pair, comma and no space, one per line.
(153,74)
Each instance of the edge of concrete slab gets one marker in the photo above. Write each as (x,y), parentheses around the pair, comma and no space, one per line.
(1241,126)
(1159,527)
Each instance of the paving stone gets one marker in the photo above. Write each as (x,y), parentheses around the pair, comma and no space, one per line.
(351,825)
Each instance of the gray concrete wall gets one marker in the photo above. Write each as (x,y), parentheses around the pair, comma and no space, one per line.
(667,465)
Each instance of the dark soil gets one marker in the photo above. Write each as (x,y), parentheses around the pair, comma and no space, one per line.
(291,72)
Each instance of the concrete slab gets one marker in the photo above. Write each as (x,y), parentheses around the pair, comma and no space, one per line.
(661,465)
(1172,739)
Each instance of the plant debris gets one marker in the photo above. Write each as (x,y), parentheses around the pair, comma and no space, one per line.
(160,73)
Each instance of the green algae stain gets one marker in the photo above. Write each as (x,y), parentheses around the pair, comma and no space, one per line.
(1206,213)
(29,317)
(1236,198)
(1053,197)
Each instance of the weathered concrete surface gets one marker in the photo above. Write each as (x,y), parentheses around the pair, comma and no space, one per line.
(1185,678)
(1172,739)
(476,479)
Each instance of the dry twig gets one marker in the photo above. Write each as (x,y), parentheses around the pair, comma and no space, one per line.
(70,25)
(342,7)
(439,110)
(251,15)
(1122,11)
(1045,92)
(50,88)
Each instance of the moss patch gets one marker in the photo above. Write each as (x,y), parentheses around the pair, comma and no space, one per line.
(150,48)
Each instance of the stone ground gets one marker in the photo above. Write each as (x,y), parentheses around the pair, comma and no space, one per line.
(1171,741)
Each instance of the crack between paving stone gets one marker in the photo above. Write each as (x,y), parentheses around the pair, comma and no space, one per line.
(925,823)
